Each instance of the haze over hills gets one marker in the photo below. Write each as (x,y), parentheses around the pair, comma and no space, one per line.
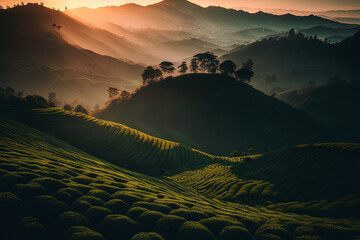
(298,62)
(35,58)
(208,23)
(217,114)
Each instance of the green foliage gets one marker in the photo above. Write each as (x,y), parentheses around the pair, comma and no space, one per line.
(194,231)
(82,233)
(32,229)
(118,227)
(96,214)
(147,236)
(47,208)
(117,206)
(67,220)
(148,219)
(168,225)
(234,232)
(190,215)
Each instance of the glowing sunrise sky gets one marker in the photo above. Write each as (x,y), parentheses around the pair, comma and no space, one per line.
(305,5)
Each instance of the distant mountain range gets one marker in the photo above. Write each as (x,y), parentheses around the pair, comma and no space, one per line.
(287,63)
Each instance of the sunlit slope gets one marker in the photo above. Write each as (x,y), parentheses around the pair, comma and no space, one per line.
(113,142)
(318,179)
(52,190)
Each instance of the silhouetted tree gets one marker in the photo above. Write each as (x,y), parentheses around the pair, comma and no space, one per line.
(245,73)
(9,91)
(125,94)
(194,67)
(183,68)
(291,33)
(150,74)
(80,109)
(52,97)
(113,92)
(207,62)
(227,67)
(59,27)
(67,107)
(20,94)
(167,67)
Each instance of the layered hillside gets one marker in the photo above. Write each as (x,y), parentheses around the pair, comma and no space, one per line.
(37,58)
(217,114)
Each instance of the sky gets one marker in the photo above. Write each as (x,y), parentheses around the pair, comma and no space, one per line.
(303,5)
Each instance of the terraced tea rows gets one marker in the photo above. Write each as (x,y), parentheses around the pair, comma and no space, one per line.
(319,179)
(52,190)
(113,142)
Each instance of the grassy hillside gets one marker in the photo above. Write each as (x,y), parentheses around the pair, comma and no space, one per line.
(114,142)
(52,190)
(217,114)
(36,58)
(299,62)
(318,179)
(336,102)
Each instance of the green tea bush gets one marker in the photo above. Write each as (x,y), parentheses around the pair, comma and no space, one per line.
(168,225)
(10,205)
(69,219)
(82,233)
(9,180)
(135,212)
(148,220)
(28,191)
(47,208)
(128,198)
(32,229)
(96,214)
(274,228)
(117,206)
(216,224)
(80,206)
(118,227)
(190,215)
(51,184)
(235,232)
(147,236)
(153,206)
(93,200)
(99,194)
(194,231)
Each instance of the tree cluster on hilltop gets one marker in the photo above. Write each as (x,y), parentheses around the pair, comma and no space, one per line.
(202,62)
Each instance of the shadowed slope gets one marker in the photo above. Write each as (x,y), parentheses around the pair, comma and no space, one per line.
(113,142)
(217,114)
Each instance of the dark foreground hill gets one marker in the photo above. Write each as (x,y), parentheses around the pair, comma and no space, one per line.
(35,57)
(298,62)
(217,114)
(50,189)
(336,102)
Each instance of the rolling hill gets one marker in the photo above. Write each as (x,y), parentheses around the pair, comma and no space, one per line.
(50,189)
(217,114)
(299,62)
(336,102)
(35,58)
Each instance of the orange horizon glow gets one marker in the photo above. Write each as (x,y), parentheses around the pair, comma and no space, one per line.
(251,6)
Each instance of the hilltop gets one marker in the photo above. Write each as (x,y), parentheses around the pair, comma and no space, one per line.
(299,62)
(37,58)
(216,114)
